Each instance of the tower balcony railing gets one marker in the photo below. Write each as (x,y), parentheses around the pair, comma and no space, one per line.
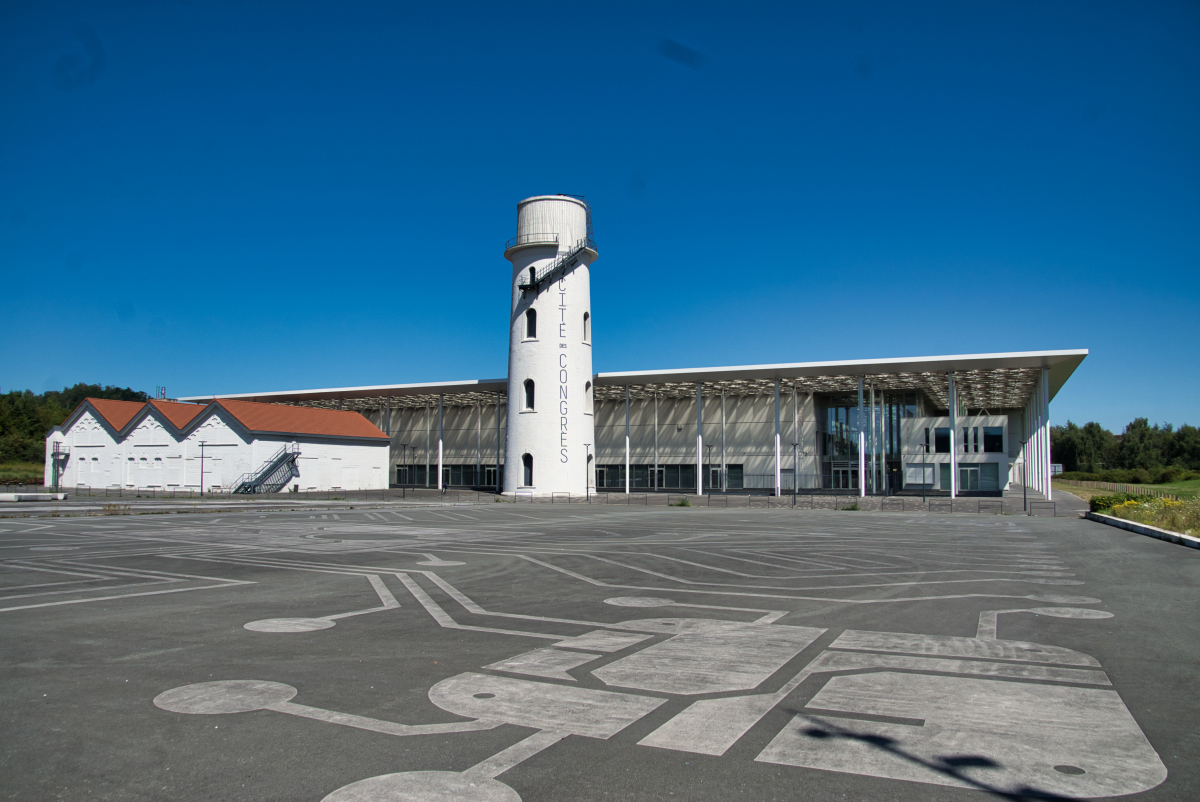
(531,239)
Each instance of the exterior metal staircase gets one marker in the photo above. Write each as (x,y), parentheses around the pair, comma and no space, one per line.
(559,266)
(273,475)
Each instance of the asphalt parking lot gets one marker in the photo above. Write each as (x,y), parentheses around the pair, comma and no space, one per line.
(505,652)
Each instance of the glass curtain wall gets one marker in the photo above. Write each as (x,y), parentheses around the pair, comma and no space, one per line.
(897,406)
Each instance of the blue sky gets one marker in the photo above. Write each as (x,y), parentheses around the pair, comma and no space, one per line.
(239,196)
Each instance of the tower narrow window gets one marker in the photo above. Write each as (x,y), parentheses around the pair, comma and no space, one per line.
(587,397)
(527,464)
(529,394)
(587,327)
(530,324)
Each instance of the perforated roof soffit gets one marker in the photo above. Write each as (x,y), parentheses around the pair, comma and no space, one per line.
(994,388)
(997,388)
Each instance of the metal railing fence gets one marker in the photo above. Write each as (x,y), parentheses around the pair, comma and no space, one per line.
(1115,487)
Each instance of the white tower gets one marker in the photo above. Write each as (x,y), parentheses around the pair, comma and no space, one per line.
(551,434)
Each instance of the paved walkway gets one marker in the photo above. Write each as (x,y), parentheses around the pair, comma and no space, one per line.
(551,652)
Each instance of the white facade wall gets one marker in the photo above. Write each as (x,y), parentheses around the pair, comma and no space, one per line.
(557,433)
(153,455)
(921,468)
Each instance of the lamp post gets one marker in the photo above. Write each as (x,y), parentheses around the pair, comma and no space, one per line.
(202,442)
(587,472)
(404,462)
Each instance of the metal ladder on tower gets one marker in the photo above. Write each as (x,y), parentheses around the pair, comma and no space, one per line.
(273,475)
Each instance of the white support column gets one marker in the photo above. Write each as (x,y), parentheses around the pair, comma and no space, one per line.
(478,444)
(795,438)
(1035,462)
(953,436)
(427,444)
(1037,436)
(1046,414)
(874,445)
(778,478)
(724,470)
(862,453)
(627,466)
(441,418)
(699,440)
(499,480)
(654,477)
(883,440)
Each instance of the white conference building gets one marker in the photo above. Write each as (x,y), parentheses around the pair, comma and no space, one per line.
(974,424)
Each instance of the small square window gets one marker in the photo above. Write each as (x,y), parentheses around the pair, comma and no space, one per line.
(993,439)
(941,440)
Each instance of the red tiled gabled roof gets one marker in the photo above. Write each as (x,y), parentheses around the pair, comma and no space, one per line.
(177,413)
(285,419)
(117,413)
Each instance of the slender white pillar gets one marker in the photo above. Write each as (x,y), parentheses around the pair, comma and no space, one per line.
(953,436)
(778,477)
(427,445)
(1046,410)
(654,477)
(862,452)
(883,420)
(724,471)
(441,416)
(499,475)
(795,439)
(478,444)
(874,444)
(699,440)
(627,467)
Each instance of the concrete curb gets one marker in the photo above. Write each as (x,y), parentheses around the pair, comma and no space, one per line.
(1143,529)
(32,496)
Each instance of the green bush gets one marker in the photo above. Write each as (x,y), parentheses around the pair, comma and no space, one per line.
(1103,503)
(683,502)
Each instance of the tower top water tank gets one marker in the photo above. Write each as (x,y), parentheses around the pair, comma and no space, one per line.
(544,219)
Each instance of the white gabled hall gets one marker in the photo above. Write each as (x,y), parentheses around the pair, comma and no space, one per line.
(224,445)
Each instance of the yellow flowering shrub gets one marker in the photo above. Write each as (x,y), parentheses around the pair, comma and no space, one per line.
(1165,513)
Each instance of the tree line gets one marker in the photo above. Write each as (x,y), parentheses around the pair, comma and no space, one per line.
(26,417)
(1142,453)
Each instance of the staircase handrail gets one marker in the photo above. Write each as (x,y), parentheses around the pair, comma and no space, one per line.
(252,480)
(587,243)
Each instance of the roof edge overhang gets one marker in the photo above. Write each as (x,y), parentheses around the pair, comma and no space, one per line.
(1060,364)
(372,391)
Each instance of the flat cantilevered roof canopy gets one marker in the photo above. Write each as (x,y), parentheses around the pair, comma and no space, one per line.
(984,381)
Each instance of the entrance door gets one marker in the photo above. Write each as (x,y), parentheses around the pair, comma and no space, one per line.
(968,478)
(845,478)
(944,476)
